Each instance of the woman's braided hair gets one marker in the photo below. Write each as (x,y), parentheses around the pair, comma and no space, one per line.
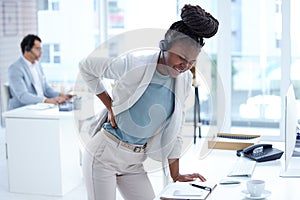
(196,24)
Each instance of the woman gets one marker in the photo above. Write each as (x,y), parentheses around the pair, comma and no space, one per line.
(146,110)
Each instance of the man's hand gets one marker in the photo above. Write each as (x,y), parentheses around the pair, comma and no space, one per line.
(66,96)
(55,100)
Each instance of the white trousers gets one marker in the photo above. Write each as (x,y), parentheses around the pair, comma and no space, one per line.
(108,165)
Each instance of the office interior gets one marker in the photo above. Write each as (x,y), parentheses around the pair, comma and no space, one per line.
(244,71)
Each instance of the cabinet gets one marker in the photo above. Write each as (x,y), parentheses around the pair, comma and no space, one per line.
(43,151)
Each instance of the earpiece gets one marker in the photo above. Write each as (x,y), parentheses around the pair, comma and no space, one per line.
(29,44)
(163,45)
(27,48)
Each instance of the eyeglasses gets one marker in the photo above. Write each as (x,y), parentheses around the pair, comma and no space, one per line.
(185,65)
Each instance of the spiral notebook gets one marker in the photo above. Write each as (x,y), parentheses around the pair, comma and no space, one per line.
(184,190)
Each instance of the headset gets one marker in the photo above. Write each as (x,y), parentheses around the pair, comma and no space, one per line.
(164,45)
(29,46)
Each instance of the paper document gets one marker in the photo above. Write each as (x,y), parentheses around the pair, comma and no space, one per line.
(184,190)
(40,106)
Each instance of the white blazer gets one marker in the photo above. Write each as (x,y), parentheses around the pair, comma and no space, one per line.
(133,73)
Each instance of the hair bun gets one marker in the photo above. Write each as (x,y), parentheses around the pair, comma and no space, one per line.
(199,21)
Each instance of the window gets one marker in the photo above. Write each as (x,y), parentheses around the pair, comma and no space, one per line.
(295,49)
(48,5)
(46,53)
(56,59)
(115,15)
(56,47)
(255,88)
(51,54)
(55,5)
(255,41)
(43,4)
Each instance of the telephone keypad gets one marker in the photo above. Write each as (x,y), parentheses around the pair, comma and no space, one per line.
(259,154)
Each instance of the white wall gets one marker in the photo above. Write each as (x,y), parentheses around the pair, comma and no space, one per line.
(17,19)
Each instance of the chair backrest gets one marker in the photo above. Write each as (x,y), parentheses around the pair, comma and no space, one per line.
(6,96)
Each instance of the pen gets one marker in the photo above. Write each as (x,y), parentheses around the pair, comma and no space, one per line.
(202,187)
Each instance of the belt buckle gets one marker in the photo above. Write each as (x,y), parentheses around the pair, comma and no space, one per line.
(137,149)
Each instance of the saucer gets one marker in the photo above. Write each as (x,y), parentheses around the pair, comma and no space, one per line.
(265,194)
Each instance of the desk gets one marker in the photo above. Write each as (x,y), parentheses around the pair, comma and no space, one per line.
(43,151)
(218,163)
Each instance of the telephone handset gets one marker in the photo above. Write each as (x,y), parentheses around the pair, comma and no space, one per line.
(261,152)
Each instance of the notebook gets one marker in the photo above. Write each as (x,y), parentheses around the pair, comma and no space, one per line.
(230,141)
(185,190)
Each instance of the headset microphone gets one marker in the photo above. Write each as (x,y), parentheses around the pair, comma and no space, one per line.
(163,47)
(35,56)
(28,49)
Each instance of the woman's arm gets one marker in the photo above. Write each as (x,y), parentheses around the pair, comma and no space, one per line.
(94,69)
(107,101)
(176,176)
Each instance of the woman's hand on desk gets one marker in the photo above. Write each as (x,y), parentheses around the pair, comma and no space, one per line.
(176,176)
(189,177)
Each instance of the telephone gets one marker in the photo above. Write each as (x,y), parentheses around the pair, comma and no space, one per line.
(261,152)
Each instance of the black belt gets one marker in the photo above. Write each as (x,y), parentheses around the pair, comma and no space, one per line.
(134,148)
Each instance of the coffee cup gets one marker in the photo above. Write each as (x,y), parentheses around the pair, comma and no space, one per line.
(255,187)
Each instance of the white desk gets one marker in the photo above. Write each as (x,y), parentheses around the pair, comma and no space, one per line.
(217,164)
(43,151)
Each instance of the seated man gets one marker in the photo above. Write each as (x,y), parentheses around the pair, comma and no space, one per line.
(26,78)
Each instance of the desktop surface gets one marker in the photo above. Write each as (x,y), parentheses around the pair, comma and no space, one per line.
(216,165)
(36,111)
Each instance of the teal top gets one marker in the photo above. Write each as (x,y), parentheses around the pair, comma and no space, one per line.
(137,124)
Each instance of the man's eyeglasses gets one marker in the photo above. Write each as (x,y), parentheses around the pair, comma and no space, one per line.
(185,65)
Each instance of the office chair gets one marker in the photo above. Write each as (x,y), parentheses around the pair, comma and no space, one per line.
(5,96)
